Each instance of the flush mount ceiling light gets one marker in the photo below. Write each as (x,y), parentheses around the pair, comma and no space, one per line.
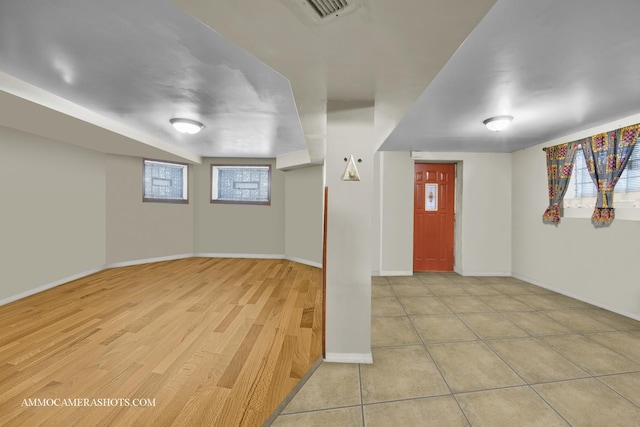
(498,123)
(186,126)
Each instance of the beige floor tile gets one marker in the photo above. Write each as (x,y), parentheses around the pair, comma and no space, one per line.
(432,411)
(508,289)
(572,302)
(381,291)
(537,323)
(404,280)
(528,288)
(536,362)
(627,385)
(446,289)
(379,281)
(465,280)
(578,321)
(434,279)
(400,373)
(472,366)
(492,326)
(519,406)
(465,304)
(345,417)
(480,289)
(424,305)
(418,290)
(590,356)
(625,343)
(540,302)
(332,385)
(505,303)
(589,403)
(386,331)
(386,307)
(442,328)
(617,321)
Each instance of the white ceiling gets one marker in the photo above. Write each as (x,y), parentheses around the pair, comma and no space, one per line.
(110,75)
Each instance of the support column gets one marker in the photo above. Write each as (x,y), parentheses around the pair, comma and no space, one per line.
(349,232)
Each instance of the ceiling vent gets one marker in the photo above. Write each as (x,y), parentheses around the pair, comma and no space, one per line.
(321,11)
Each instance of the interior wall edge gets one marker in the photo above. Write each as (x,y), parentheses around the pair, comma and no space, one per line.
(577,297)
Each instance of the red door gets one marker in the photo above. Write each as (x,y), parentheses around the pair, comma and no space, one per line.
(433,218)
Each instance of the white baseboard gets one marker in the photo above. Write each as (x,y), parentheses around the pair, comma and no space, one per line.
(49,286)
(349,358)
(304,261)
(578,297)
(225,255)
(147,261)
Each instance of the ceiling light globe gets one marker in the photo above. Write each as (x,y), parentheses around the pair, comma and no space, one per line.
(187,126)
(498,123)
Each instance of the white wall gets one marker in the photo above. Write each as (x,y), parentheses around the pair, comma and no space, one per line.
(52,220)
(304,193)
(349,230)
(483,227)
(599,266)
(233,229)
(393,248)
(136,230)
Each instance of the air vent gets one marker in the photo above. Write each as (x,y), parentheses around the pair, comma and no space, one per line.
(321,11)
(325,8)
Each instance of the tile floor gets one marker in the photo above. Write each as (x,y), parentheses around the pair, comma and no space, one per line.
(481,351)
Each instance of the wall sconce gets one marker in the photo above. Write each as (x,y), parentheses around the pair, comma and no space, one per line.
(351,171)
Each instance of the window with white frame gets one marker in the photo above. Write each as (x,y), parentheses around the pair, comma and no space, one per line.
(580,198)
(165,182)
(248,184)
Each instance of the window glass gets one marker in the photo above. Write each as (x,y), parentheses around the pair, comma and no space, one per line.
(165,182)
(241,184)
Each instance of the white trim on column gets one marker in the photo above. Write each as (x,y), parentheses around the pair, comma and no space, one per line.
(349,358)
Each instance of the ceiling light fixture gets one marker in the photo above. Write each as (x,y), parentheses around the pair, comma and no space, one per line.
(498,123)
(186,126)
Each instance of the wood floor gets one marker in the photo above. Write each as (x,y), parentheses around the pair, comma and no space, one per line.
(216,342)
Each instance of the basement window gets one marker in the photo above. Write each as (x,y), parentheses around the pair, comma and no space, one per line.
(165,182)
(242,184)
(580,198)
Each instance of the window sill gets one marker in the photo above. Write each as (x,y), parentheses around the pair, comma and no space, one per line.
(624,214)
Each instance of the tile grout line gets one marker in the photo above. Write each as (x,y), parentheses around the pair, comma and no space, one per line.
(431,356)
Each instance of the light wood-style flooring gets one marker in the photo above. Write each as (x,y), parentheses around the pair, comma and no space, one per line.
(216,342)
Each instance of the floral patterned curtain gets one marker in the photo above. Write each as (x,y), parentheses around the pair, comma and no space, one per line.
(606,156)
(559,168)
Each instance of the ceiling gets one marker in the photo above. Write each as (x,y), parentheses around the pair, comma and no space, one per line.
(259,73)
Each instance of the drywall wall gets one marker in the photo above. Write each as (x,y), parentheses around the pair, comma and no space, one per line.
(483,228)
(236,229)
(304,192)
(52,220)
(393,214)
(599,266)
(349,230)
(137,230)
